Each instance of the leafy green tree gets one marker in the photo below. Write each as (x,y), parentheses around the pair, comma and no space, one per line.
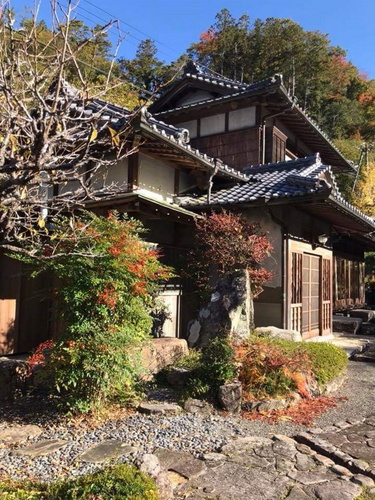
(107,284)
(145,70)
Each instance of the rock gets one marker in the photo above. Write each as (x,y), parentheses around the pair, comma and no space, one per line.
(13,380)
(150,465)
(365,314)
(245,444)
(19,433)
(368,329)
(230,396)
(42,448)
(346,325)
(229,311)
(106,451)
(279,333)
(367,355)
(176,479)
(178,377)
(297,493)
(333,490)
(182,463)
(363,481)
(360,451)
(162,352)
(194,329)
(304,462)
(198,407)
(214,457)
(272,404)
(159,408)
(310,477)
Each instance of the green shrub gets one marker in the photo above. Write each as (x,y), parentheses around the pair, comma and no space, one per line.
(215,366)
(327,360)
(273,367)
(120,482)
(22,490)
(115,483)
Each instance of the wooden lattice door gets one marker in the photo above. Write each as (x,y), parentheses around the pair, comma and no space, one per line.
(311,296)
(326,296)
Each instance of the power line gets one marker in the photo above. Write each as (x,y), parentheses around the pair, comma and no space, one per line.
(130,26)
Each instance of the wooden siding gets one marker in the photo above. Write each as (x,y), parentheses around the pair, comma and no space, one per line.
(238,149)
(24,316)
(275,145)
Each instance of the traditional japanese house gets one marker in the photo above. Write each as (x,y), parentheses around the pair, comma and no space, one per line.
(319,238)
(162,167)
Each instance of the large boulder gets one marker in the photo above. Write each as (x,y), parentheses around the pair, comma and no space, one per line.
(230,396)
(279,333)
(230,311)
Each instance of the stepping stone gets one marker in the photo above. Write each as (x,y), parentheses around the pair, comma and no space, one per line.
(183,463)
(366,355)
(360,451)
(343,324)
(159,408)
(333,490)
(364,314)
(311,477)
(106,451)
(368,329)
(19,433)
(42,448)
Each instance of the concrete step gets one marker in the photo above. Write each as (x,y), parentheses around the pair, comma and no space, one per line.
(364,314)
(343,324)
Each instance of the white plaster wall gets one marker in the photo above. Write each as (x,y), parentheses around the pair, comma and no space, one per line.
(116,174)
(156,179)
(267,225)
(191,126)
(193,97)
(242,118)
(212,124)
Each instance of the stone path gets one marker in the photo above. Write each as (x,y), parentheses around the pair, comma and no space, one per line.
(325,464)
(257,468)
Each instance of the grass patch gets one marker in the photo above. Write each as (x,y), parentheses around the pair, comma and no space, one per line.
(120,482)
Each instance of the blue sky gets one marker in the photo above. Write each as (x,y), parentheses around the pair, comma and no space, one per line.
(175,24)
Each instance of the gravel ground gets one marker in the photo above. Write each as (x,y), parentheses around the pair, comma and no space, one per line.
(187,432)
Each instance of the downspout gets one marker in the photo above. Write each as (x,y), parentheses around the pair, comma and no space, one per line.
(272,115)
(210,182)
(284,231)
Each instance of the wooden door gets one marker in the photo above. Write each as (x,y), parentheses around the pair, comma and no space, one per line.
(326,319)
(311,295)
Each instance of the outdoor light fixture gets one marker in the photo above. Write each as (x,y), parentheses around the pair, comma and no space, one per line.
(323,238)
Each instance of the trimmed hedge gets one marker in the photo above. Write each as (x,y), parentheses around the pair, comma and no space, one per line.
(328,361)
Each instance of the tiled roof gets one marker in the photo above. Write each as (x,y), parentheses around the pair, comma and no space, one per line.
(200,73)
(284,179)
(119,117)
(247,90)
(243,90)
